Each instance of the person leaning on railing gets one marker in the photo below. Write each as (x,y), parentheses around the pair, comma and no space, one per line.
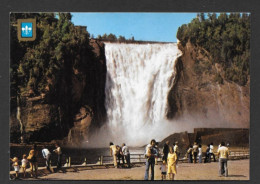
(113,152)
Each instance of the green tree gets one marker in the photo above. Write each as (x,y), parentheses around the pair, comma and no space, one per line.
(226,38)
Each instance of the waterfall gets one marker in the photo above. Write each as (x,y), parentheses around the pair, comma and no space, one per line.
(18,116)
(139,77)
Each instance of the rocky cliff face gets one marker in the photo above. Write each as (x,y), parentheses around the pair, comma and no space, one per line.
(203,97)
(77,106)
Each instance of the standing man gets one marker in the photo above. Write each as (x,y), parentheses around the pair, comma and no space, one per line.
(176,150)
(165,151)
(211,153)
(195,152)
(150,154)
(113,152)
(59,153)
(126,154)
(223,154)
(47,156)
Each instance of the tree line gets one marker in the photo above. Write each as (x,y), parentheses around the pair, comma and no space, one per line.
(113,38)
(226,37)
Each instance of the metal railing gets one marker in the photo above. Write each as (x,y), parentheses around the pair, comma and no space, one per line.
(140,158)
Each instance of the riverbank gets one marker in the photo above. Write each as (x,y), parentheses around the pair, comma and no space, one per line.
(238,170)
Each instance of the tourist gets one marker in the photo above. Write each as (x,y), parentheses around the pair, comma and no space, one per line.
(24,164)
(172,159)
(176,149)
(150,154)
(126,154)
(163,170)
(16,166)
(119,155)
(113,152)
(207,156)
(223,154)
(158,151)
(47,156)
(165,151)
(219,145)
(189,153)
(59,153)
(200,154)
(211,151)
(195,152)
(32,158)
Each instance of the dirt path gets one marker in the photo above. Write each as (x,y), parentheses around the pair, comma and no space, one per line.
(238,170)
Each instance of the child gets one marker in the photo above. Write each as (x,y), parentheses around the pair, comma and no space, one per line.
(24,165)
(149,152)
(16,166)
(171,160)
(163,170)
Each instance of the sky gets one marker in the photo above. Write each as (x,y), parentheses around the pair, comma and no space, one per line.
(160,27)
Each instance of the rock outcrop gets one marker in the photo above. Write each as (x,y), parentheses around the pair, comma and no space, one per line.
(201,94)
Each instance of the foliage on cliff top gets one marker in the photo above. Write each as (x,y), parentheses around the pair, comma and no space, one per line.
(59,50)
(226,37)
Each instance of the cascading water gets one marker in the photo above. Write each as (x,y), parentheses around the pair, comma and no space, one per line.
(139,77)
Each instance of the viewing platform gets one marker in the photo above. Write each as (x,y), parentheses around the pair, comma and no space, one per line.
(106,162)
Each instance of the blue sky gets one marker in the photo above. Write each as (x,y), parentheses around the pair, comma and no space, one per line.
(143,26)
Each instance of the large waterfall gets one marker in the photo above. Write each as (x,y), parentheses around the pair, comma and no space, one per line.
(139,77)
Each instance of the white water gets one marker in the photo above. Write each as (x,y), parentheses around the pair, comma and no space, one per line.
(139,77)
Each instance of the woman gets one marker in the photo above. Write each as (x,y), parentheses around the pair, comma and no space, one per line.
(171,160)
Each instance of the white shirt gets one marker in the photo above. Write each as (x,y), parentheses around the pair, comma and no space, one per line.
(211,148)
(125,150)
(176,149)
(200,151)
(24,162)
(45,152)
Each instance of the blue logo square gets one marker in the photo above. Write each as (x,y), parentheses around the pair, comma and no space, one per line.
(27,29)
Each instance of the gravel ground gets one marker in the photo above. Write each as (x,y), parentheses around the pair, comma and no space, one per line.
(238,170)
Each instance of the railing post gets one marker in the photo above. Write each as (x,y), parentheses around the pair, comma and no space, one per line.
(139,158)
(69,161)
(101,160)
